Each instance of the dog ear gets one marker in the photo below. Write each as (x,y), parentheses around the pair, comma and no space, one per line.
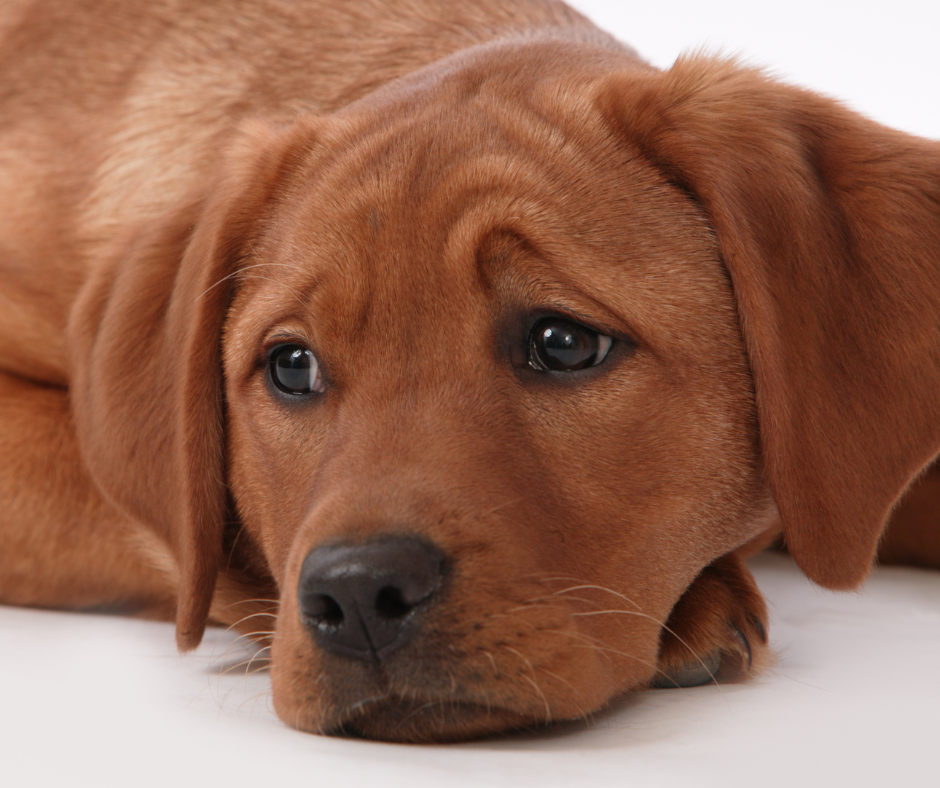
(146,335)
(829,226)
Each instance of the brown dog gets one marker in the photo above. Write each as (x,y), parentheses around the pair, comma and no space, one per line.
(453,339)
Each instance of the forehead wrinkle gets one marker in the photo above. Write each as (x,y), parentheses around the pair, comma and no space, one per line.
(308,262)
(406,153)
(373,172)
(416,148)
(520,206)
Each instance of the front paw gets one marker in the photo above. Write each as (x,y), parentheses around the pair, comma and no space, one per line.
(717,632)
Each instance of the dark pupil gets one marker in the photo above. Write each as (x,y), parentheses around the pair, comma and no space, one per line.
(563,345)
(294,369)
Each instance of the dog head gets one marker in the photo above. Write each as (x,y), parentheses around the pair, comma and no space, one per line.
(488,365)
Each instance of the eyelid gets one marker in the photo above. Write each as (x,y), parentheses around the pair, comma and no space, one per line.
(284,338)
(564,313)
(270,343)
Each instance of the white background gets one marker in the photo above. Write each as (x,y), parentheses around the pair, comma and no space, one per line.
(853,700)
(881,58)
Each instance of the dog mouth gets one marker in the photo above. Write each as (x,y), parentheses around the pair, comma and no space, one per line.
(415,719)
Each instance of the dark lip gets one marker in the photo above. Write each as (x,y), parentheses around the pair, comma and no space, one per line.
(429,719)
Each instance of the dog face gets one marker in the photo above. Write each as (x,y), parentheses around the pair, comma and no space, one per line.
(510,350)
(418,264)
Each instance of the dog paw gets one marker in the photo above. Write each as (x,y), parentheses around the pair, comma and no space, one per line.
(717,632)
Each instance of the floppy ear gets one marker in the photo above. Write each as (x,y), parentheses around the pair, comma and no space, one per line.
(829,225)
(146,337)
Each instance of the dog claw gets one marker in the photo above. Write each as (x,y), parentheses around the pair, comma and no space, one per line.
(726,664)
(761,631)
(692,675)
(744,647)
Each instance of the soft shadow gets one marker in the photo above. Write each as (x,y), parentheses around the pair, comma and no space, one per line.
(574,735)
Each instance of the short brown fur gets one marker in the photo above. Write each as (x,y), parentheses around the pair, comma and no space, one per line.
(403,187)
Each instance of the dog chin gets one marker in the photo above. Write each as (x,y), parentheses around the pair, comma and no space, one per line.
(396,719)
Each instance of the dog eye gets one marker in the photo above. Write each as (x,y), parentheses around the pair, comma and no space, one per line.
(559,344)
(295,370)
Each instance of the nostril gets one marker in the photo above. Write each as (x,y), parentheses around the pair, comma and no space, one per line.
(390,605)
(323,609)
(366,600)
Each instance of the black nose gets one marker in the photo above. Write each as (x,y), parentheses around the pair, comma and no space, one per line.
(364,601)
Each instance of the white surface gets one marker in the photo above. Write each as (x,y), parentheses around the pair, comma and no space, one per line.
(854,699)
(94,700)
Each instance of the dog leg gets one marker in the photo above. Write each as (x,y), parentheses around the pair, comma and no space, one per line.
(913,534)
(61,544)
(717,631)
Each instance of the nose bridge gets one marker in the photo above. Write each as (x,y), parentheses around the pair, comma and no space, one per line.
(423,391)
(438,423)
(432,460)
